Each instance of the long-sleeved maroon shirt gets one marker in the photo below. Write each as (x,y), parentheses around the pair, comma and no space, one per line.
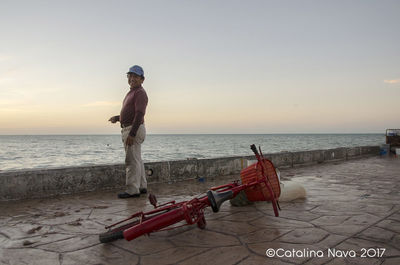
(134,109)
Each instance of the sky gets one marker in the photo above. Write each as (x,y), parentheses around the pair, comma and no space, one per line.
(210,66)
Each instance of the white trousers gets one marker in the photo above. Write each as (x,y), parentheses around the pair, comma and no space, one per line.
(135,174)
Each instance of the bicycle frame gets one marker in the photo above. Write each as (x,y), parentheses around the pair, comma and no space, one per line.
(191,211)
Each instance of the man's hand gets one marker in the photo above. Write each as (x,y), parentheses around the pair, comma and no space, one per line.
(129,140)
(113,119)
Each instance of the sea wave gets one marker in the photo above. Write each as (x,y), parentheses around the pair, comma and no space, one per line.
(44,151)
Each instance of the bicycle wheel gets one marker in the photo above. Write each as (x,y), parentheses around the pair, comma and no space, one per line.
(240,200)
(118,232)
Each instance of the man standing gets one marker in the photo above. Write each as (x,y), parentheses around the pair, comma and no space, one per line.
(133,133)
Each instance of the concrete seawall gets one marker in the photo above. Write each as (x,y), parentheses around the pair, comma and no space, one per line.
(40,183)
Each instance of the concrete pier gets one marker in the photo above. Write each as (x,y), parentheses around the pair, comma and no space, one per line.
(23,184)
(352,206)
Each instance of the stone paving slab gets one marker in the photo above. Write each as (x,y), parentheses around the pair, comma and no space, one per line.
(350,206)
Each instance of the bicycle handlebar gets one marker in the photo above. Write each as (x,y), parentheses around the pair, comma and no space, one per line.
(254,149)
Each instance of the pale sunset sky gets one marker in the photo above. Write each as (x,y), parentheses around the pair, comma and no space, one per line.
(210,66)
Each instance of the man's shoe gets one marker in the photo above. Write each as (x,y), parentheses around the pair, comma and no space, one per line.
(143,191)
(125,195)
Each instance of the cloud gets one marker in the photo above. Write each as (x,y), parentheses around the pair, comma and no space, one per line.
(6,80)
(9,102)
(393,81)
(8,76)
(4,57)
(102,104)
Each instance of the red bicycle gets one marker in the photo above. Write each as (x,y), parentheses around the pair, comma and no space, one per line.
(259,181)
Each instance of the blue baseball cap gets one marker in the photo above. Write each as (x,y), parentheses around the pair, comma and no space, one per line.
(136,69)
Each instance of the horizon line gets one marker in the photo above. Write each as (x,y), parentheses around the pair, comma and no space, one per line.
(78,134)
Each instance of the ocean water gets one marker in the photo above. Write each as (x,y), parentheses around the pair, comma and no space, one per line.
(52,151)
